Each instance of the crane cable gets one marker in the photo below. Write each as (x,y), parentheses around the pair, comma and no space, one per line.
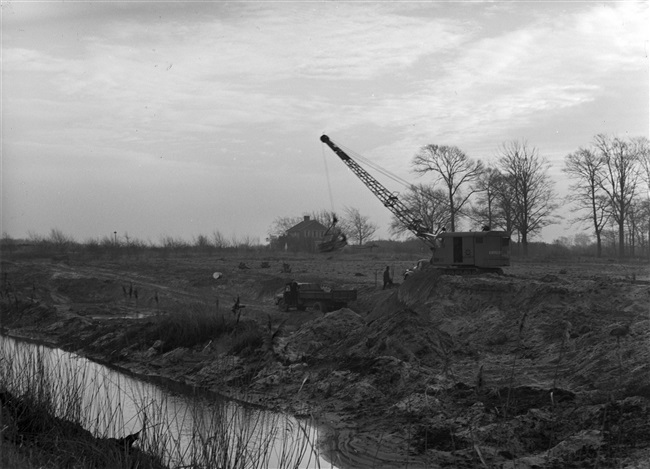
(327,176)
(376,167)
(371,164)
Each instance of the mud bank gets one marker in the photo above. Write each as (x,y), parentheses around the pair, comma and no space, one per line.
(546,368)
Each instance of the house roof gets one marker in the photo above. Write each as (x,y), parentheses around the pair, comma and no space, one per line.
(312,225)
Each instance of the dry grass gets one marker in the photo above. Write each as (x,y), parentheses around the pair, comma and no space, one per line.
(56,414)
(52,418)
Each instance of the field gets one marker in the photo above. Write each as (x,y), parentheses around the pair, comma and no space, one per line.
(545,366)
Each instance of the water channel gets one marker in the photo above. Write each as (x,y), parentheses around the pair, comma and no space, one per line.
(188,427)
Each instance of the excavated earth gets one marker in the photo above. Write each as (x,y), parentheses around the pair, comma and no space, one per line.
(546,366)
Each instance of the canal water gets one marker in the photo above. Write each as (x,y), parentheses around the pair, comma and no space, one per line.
(189,428)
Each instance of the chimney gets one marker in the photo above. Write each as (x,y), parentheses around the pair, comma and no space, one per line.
(306,217)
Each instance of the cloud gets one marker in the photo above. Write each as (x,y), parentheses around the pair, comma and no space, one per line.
(511,78)
(247,87)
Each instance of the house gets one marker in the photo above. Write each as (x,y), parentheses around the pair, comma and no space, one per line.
(304,236)
(307,228)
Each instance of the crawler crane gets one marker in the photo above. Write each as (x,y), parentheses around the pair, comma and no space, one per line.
(458,252)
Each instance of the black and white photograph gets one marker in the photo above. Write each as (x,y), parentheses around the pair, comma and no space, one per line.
(346,234)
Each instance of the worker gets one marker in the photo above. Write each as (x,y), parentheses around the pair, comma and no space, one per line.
(387,280)
(294,292)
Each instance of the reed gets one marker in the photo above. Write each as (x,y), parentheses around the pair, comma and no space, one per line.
(72,408)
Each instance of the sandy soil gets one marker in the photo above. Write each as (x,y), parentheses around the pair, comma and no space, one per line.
(545,366)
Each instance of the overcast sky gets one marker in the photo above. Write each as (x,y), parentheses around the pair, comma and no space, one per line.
(184,118)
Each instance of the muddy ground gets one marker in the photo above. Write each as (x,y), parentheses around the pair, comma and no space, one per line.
(545,366)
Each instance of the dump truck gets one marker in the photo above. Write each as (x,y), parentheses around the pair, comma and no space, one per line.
(301,296)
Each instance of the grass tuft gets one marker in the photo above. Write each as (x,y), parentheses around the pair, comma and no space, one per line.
(187,327)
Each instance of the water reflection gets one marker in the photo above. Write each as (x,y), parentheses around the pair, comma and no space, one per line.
(187,430)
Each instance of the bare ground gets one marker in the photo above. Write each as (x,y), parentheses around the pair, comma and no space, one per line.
(546,366)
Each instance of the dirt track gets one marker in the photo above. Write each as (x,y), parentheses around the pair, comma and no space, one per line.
(546,366)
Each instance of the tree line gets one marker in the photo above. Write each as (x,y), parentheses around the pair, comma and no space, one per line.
(610,184)
(609,187)
(514,194)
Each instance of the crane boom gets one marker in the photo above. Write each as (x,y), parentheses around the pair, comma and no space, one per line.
(459,252)
(389,199)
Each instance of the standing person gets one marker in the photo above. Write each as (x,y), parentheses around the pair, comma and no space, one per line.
(294,292)
(387,280)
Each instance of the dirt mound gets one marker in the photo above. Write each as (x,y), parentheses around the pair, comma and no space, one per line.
(549,332)
(581,333)
(343,335)
(322,338)
(406,335)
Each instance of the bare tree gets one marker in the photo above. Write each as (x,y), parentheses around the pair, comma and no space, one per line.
(324,217)
(643,149)
(526,174)
(632,221)
(357,226)
(281,224)
(219,241)
(61,241)
(487,189)
(201,241)
(619,178)
(644,221)
(427,204)
(453,167)
(643,146)
(585,168)
(505,206)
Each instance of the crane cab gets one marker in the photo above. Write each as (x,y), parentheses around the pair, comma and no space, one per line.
(483,250)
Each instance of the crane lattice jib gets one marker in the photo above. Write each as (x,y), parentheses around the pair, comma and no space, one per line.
(389,199)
